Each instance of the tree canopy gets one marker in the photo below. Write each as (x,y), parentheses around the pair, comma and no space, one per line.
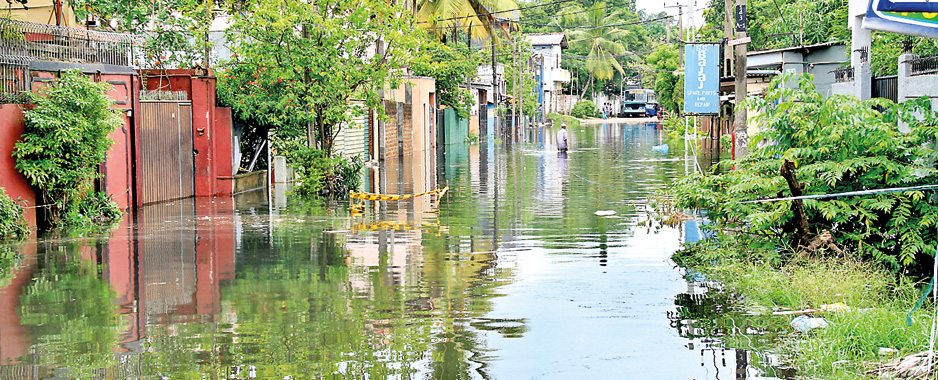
(297,65)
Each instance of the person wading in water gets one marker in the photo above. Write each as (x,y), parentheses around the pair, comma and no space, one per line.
(562,138)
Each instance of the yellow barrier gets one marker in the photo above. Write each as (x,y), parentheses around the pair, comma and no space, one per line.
(384,197)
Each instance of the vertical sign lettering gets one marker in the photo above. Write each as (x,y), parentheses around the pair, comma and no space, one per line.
(702,79)
(741,22)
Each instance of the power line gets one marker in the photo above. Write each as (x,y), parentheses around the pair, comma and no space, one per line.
(497,12)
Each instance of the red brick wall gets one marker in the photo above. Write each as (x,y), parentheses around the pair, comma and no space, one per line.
(390,130)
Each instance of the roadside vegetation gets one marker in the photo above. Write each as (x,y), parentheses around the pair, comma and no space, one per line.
(65,142)
(557,118)
(869,252)
(584,109)
(12,220)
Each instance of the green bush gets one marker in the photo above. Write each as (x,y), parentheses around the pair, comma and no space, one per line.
(12,222)
(839,144)
(66,140)
(322,175)
(571,121)
(584,109)
(98,208)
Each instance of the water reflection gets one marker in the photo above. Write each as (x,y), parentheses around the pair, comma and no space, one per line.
(532,266)
(711,318)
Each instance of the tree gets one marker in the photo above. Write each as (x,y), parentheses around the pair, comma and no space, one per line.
(664,61)
(481,16)
(173,30)
(65,141)
(818,142)
(602,40)
(298,64)
(451,68)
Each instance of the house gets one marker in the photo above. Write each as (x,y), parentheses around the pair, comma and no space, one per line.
(819,60)
(548,51)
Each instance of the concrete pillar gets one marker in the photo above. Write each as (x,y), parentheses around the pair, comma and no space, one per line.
(863,79)
(905,71)
(862,40)
(280,169)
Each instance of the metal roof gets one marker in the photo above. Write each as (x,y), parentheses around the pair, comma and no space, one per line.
(544,39)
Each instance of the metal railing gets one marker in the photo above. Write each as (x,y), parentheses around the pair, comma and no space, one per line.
(14,80)
(924,65)
(843,75)
(179,96)
(41,42)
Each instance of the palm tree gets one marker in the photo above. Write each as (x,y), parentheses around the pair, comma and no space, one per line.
(602,41)
(478,15)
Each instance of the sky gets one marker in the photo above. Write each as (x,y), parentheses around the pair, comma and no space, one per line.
(655,6)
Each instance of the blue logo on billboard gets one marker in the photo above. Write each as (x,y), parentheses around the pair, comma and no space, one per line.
(702,79)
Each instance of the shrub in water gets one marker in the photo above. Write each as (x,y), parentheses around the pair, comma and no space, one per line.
(66,140)
(322,175)
(839,144)
(12,222)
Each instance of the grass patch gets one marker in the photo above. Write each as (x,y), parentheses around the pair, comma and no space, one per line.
(571,121)
(850,346)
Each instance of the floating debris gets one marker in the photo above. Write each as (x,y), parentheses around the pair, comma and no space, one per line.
(805,323)
(605,212)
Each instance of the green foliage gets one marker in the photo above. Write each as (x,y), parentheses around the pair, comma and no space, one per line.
(506,56)
(66,139)
(844,350)
(173,30)
(320,174)
(603,42)
(479,16)
(299,64)
(664,60)
(887,47)
(571,121)
(12,221)
(839,144)
(777,24)
(98,208)
(451,68)
(584,109)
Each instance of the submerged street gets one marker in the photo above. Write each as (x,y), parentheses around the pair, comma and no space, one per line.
(534,265)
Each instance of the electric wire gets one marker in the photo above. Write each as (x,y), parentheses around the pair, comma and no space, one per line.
(848,194)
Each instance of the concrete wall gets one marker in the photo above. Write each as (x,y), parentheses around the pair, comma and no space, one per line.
(913,87)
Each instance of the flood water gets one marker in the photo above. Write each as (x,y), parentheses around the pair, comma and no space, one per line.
(511,275)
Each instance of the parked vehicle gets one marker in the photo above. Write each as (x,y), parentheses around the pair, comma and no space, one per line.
(639,102)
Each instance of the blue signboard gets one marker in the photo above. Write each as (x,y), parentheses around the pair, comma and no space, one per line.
(702,79)
(912,17)
(907,5)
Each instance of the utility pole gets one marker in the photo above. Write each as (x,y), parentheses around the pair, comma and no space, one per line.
(518,92)
(729,35)
(514,82)
(494,83)
(680,25)
(742,138)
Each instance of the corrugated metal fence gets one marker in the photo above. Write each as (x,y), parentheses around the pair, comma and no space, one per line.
(164,151)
